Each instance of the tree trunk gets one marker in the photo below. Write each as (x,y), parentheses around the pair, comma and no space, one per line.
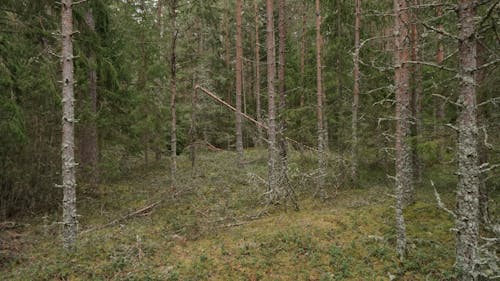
(404,187)
(173,94)
(239,76)
(257,73)
(282,88)
(467,222)
(68,123)
(482,123)
(356,92)
(194,103)
(274,182)
(440,104)
(416,92)
(89,144)
(303,54)
(322,160)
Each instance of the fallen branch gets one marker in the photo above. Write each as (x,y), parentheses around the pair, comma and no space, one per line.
(259,124)
(140,211)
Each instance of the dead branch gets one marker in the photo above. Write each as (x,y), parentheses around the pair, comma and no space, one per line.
(440,203)
(140,211)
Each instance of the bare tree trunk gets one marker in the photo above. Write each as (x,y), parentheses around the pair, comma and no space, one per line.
(467,222)
(404,187)
(322,160)
(274,182)
(257,73)
(194,103)
(356,92)
(440,104)
(482,124)
(303,54)
(89,144)
(239,76)
(416,91)
(141,84)
(173,82)
(282,88)
(70,223)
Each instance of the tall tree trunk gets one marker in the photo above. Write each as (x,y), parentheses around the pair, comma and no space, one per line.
(416,91)
(282,88)
(194,102)
(89,144)
(141,84)
(274,181)
(356,92)
(467,222)
(161,29)
(482,123)
(440,104)
(257,73)
(173,94)
(303,54)
(404,187)
(239,86)
(322,160)
(68,123)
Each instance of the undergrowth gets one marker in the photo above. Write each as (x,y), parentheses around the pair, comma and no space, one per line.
(213,226)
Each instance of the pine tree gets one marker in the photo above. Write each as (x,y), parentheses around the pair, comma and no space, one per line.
(68,124)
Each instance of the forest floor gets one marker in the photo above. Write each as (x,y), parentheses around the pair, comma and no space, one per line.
(213,226)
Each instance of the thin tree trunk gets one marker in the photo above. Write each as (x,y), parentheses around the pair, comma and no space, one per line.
(482,123)
(257,73)
(303,54)
(141,84)
(274,182)
(282,88)
(440,104)
(404,187)
(161,28)
(70,224)
(89,142)
(417,91)
(467,222)
(194,103)
(239,76)
(356,92)
(173,82)
(322,162)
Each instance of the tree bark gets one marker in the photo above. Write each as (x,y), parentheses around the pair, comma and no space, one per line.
(416,92)
(404,186)
(440,104)
(89,136)
(356,92)
(282,88)
(467,210)
(483,124)
(303,54)
(257,73)
(70,224)
(322,160)
(274,182)
(173,94)
(239,76)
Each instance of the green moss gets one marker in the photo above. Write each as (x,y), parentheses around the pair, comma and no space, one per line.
(205,233)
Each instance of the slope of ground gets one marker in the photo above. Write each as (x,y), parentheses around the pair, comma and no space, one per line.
(213,226)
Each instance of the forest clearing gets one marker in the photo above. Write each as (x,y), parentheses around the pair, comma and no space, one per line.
(250,140)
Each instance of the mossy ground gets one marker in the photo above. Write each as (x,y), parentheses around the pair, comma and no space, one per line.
(216,228)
